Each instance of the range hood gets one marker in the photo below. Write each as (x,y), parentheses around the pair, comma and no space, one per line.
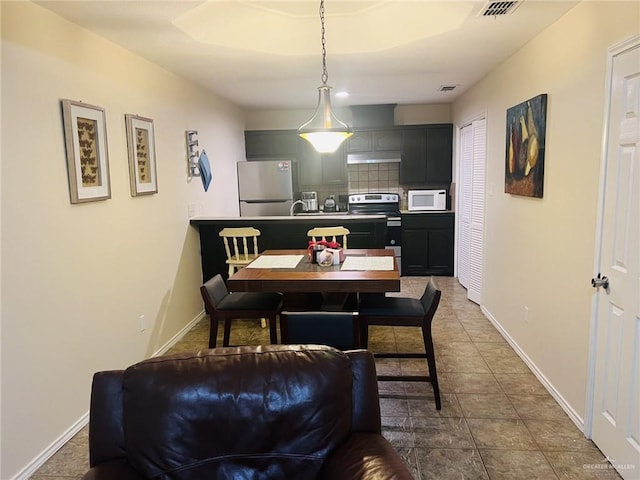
(374,157)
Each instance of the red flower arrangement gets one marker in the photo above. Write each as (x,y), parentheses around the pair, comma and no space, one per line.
(323,243)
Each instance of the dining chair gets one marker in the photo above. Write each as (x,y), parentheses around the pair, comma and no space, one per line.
(336,329)
(227,306)
(334,300)
(331,234)
(241,246)
(404,312)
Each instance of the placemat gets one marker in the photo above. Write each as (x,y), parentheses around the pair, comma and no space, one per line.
(276,261)
(367,263)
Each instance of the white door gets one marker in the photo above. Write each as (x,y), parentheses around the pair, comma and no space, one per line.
(616,394)
(464,203)
(471,208)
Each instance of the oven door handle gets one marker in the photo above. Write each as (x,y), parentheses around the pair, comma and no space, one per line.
(394,221)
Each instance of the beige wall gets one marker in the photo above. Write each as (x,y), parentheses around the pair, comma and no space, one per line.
(75,278)
(540,252)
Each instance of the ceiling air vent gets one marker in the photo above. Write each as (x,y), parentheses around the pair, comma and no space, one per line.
(447,88)
(494,9)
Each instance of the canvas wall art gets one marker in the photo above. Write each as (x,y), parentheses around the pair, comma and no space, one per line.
(525,146)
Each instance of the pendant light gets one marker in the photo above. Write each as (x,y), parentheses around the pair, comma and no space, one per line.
(324,131)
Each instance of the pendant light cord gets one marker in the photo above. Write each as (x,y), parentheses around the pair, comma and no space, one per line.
(325,75)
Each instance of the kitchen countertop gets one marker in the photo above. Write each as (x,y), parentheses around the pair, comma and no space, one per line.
(303,217)
(307,216)
(412,212)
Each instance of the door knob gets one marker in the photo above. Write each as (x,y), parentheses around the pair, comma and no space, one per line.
(600,281)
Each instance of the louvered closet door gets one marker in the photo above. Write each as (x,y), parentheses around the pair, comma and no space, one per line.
(471,214)
(464,207)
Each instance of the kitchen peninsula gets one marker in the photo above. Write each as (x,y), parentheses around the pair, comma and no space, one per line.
(283,232)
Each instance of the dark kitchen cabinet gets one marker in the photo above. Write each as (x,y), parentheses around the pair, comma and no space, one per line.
(427,244)
(321,169)
(427,154)
(379,140)
(313,169)
(271,144)
(283,233)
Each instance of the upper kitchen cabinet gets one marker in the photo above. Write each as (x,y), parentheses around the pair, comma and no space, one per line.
(426,154)
(271,144)
(378,140)
(320,169)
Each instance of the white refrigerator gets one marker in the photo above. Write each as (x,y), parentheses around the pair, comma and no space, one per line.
(265,187)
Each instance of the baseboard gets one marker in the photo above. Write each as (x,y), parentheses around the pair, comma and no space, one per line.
(45,455)
(178,336)
(573,415)
(33,466)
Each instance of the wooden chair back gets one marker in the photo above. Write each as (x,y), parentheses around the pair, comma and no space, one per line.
(240,245)
(332,234)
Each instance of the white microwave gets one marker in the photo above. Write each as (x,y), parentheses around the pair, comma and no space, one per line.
(427,200)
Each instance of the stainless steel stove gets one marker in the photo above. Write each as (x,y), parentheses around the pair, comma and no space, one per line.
(374,204)
(387,204)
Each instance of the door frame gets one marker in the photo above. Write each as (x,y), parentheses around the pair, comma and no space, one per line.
(612,52)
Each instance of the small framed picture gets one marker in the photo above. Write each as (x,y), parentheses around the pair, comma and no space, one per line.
(142,155)
(85,135)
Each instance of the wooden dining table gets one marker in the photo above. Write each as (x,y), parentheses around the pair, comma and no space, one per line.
(306,276)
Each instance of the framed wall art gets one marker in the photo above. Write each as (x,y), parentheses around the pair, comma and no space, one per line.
(525,145)
(85,136)
(142,155)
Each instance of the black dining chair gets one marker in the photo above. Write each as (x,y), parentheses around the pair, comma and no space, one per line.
(404,312)
(227,306)
(336,329)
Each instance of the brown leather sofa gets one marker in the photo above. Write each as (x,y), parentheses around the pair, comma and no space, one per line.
(239,413)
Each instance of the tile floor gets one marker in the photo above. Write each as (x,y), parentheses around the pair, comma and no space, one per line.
(497,421)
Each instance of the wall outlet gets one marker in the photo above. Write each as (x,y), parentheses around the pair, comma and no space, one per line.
(143,323)
(526,314)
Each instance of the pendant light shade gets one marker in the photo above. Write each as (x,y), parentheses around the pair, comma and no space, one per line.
(324,131)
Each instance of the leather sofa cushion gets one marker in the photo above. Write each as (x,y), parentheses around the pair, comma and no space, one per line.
(192,419)
(365,456)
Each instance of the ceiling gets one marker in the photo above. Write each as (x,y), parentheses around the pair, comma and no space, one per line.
(267,54)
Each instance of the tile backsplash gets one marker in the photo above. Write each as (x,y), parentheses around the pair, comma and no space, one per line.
(368,177)
(374,177)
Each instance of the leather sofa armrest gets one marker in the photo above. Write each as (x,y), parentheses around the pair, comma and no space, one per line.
(115,470)
(106,431)
(365,456)
(366,402)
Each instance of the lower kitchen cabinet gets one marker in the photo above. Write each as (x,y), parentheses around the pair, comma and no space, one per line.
(282,233)
(427,244)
